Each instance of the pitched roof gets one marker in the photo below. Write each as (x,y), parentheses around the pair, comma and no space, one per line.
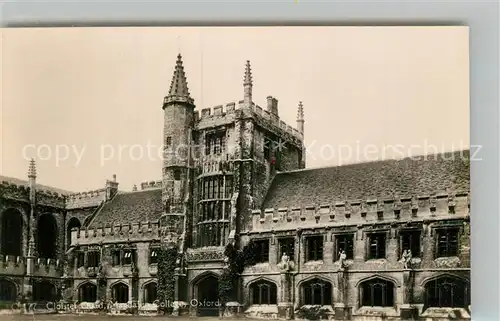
(130,207)
(16,181)
(421,175)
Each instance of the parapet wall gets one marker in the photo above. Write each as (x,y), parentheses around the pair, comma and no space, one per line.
(86,199)
(21,192)
(230,108)
(14,191)
(150,185)
(119,232)
(362,212)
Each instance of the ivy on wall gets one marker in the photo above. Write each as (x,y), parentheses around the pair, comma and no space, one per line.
(237,261)
(166,280)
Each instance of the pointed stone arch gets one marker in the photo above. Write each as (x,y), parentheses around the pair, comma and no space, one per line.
(440,275)
(73,222)
(203,275)
(379,276)
(47,236)
(13,231)
(87,292)
(44,290)
(8,290)
(315,290)
(120,292)
(149,291)
(262,290)
(206,293)
(312,277)
(260,278)
(446,290)
(377,291)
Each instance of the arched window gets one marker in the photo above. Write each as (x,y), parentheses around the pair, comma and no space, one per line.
(150,292)
(263,292)
(12,232)
(44,291)
(377,293)
(317,292)
(447,292)
(73,223)
(47,236)
(8,291)
(120,293)
(87,292)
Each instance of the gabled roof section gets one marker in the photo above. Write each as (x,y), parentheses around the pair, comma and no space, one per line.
(16,181)
(130,207)
(423,175)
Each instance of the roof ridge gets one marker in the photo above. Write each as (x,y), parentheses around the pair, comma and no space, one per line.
(372,161)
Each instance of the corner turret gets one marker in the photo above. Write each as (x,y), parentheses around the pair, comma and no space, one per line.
(179,91)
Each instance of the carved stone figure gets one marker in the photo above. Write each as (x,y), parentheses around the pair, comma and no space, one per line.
(342,258)
(406,258)
(284,265)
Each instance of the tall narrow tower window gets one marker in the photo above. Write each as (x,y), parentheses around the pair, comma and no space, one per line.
(177,174)
(169,142)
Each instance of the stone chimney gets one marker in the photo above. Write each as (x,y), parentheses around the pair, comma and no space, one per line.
(111,188)
(272,105)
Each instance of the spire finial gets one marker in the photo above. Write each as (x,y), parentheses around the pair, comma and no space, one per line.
(300,111)
(32,169)
(300,118)
(248,74)
(247,85)
(179,90)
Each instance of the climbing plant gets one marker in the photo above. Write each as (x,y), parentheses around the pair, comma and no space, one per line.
(237,261)
(166,282)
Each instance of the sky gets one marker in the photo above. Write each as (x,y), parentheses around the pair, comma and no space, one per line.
(86,102)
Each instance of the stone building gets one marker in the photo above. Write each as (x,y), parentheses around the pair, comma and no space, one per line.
(379,240)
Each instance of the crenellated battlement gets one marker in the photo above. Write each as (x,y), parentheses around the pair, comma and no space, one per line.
(11,260)
(86,199)
(275,121)
(49,198)
(116,232)
(362,211)
(150,185)
(47,263)
(220,111)
(14,191)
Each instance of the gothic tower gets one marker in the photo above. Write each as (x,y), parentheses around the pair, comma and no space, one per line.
(178,108)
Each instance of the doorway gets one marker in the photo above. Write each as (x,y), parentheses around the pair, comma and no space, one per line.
(208,296)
